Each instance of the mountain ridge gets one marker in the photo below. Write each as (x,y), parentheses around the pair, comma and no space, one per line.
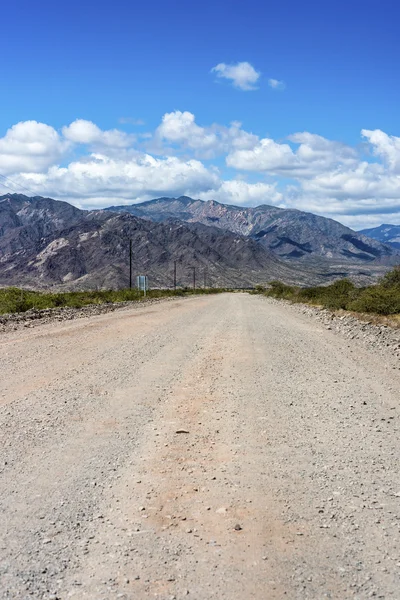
(48,243)
(91,249)
(385,233)
(289,233)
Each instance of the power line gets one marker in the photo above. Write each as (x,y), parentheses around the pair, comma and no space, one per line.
(18,185)
(130,264)
(175,275)
(7,186)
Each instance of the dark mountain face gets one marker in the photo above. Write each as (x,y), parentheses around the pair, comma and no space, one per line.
(24,221)
(44,242)
(387,234)
(289,234)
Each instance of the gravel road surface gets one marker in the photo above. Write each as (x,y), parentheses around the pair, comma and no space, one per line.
(222,447)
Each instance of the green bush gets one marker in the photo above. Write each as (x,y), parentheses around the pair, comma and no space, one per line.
(378,300)
(281,290)
(392,279)
(382,299)
(17,300)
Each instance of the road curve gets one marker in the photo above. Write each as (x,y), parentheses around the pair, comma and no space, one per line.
(220,447)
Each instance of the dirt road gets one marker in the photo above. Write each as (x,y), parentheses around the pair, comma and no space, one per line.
(282,483)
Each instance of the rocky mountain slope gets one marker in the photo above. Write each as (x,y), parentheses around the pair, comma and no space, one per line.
(44,242)
(288,233)
(387,234)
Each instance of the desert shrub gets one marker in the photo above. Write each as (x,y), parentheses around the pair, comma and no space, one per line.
(258,289)
(17,300)
(339,294)
(377,299)
(281,290)
(391,279)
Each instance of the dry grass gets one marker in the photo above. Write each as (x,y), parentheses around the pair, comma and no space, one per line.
(387,320)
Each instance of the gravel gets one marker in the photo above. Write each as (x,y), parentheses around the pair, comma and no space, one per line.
(379,338)
(34,317)
(286,483)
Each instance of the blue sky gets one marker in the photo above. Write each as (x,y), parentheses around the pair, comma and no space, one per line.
(127,77)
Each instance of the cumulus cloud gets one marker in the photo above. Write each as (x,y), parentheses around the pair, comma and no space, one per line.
(30,146)
(385,146)
(362,196)
(243,75)
(267,155)
(99,178)
(276,84)
(329,177)
(86,132)
(94,167)
(180,129)
(314,154)
(242,193)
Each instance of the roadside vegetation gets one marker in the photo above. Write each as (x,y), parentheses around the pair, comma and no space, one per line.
(380,299)
(13,300)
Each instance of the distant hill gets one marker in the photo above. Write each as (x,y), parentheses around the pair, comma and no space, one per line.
(290,234)
(387,234)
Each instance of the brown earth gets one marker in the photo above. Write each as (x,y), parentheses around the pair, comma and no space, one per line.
(217,447)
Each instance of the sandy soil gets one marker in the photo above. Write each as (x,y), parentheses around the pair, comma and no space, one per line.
(220,447)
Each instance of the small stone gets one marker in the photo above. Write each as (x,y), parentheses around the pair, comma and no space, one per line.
(181,431)
(238,527)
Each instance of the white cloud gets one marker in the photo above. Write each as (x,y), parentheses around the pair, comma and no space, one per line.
(241,193)
(100,181)
(243,75)
(30,146)
(365,221)
(266,155)
(98,178)
(180,129)
(276,84)
(327,177)
(355,196)
(314,154)
(86,132)
(385,146)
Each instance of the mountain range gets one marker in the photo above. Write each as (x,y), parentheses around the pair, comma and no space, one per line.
(47,243)
(387,234)
(288,233)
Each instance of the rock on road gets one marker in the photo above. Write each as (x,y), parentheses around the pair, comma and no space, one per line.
(220,447)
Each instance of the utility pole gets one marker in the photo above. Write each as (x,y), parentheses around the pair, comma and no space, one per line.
(175,275)
(130,264)
(205,278)
(194,278)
